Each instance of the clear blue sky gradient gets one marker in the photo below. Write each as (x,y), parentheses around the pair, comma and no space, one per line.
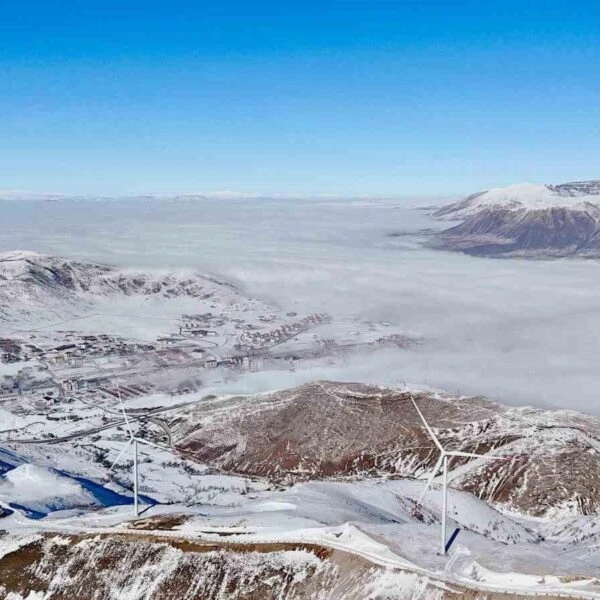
(301,97)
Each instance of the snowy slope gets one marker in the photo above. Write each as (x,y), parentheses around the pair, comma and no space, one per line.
(528,196)
(51,288)
(41,490)
(100,566)
(364,508)
(364,521)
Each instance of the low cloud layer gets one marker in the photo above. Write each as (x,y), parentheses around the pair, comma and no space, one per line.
(518,331)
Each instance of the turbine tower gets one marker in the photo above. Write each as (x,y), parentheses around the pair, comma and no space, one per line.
(443,463)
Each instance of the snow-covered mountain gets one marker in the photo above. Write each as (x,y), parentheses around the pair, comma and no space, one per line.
(526,220)
(54,287)
(583,195)
(330,430)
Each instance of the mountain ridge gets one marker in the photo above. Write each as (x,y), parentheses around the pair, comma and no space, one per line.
(61,286)
(525,220)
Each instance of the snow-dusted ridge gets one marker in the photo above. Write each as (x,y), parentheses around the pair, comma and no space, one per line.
(344,462)
(328,430)
(527,196)
(51,288)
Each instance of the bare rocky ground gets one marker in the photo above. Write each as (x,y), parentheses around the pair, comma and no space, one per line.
(328,430)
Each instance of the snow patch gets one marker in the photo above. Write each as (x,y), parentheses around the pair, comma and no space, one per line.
(41,489)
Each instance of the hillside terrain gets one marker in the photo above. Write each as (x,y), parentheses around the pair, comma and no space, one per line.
(526,220)
(327,430)
(52,287)
(301,493)
(138,566)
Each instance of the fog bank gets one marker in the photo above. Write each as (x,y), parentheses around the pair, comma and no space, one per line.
(518,331)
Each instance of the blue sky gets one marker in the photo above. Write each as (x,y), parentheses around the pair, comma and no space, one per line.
(298,97)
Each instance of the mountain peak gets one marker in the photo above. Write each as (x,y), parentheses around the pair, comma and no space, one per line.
(526,219)
(526,196)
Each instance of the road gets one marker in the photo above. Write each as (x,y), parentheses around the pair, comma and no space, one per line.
(93,430)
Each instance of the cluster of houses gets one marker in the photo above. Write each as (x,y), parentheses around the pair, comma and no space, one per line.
(207,319)
(239,361)
(62,371)
(27,382)
(8,357)
(70,354)
(195,328)
(283,333)
(103,384)
(11,351)
(74,351)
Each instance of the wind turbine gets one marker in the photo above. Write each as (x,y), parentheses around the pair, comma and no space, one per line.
(133,441)
(443,463)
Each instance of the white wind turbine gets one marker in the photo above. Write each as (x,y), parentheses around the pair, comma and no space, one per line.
(443,462)
(133,441)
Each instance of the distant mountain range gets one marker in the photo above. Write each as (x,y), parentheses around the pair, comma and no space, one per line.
(526,220)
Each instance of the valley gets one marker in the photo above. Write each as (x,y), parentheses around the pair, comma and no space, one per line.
(282,493)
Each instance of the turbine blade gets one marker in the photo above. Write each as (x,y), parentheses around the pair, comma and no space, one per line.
(120,454)
(429,430)
(123,410)
(436,468)
(472,455)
